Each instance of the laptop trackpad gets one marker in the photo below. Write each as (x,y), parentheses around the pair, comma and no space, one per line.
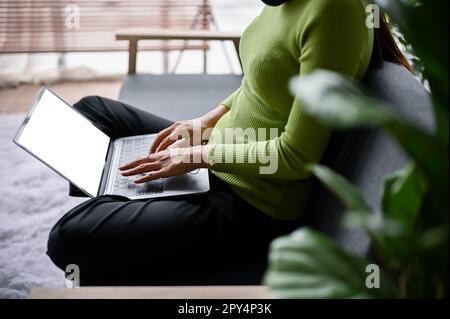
(190,183)
(182,183)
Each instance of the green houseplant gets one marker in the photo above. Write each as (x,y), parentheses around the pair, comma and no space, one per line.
(410,239)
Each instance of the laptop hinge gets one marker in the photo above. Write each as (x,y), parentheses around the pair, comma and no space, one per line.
(106,169)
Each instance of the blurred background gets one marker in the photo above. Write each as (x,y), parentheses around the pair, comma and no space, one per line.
(71,47)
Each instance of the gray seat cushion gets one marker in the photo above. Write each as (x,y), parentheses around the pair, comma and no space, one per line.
(366,156)
(178,97)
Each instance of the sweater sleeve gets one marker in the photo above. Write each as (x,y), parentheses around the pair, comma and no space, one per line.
(228,102)
(333,38)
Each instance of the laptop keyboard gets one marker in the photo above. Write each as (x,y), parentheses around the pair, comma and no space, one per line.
(131,150)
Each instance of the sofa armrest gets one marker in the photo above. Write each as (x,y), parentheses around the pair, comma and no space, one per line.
(133,36)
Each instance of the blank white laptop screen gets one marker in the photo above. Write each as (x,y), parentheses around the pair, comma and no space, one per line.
(66,141)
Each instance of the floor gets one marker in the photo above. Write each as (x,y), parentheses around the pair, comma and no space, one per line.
(19,99)
(32,200)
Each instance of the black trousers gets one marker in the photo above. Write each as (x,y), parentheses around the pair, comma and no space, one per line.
(179,240)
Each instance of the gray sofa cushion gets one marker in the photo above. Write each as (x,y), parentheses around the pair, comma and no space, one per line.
(366,156)
(178,97)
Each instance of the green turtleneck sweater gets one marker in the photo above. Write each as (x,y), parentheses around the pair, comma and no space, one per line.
(295,38)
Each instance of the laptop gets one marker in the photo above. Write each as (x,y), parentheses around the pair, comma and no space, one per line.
(75,148)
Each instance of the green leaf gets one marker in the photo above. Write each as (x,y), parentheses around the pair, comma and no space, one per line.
(341,188)
(378,226)
(403,195)
(338,102)
(433,237)
(306,264)
(403,199)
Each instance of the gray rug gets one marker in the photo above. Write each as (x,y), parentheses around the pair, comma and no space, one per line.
(32,199)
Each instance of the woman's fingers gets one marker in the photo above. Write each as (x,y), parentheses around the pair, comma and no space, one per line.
(164,144)
(169,140)
(161,135)
(134,163)
(181,143)
(151,176)
(143,168)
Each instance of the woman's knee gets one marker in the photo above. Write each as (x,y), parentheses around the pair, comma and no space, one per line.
(68,239)
(88,100)
(98,110)
(61,247)
(89,105)
(55,250)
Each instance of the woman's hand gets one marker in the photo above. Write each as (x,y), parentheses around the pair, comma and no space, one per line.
(187,133)
(166,163)
(179,134)
(176,150)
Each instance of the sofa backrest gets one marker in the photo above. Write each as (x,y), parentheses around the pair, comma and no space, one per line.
(365,157)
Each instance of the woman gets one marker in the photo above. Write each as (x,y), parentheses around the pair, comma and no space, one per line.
(179,240)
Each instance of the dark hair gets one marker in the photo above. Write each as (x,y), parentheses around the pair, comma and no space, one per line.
(385,48)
